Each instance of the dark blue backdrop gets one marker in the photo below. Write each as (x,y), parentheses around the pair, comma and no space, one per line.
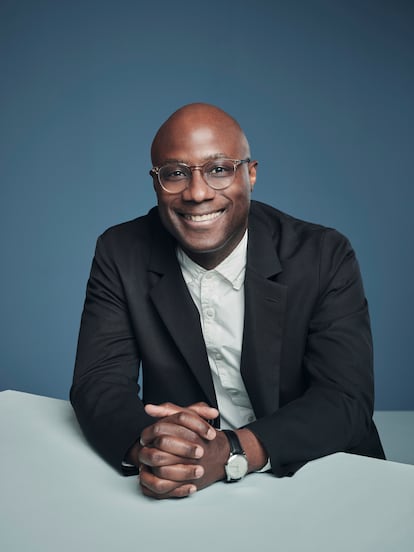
(324,90)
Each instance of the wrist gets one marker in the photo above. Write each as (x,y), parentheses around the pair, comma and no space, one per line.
(256,454)
(132,456)
(237,465)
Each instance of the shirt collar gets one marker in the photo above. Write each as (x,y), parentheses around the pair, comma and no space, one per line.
(232,268)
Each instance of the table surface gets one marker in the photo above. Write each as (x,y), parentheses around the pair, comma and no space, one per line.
(56,494)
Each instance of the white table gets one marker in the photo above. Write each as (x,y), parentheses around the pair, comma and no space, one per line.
(56,494)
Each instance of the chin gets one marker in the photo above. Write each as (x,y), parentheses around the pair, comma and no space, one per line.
(204,249)
(199,243)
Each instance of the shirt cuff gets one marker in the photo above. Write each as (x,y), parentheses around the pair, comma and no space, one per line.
(266,467)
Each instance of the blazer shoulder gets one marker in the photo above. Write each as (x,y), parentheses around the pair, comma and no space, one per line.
(136,234)
(131,229)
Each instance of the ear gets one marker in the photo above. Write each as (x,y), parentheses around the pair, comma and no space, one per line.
(154,181)
(252,173)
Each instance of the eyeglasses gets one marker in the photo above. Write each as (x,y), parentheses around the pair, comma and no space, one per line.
(218,174)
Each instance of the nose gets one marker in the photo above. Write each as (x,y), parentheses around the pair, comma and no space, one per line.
(198,190)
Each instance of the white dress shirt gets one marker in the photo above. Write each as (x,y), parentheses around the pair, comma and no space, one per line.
(219,297)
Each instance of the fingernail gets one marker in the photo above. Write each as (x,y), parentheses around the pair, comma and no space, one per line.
(192,490)
(211,433)
(198,453)
(198,472)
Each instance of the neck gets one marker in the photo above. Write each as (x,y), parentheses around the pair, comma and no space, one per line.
(211,259)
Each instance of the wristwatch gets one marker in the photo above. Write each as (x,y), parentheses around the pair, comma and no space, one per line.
(237,464)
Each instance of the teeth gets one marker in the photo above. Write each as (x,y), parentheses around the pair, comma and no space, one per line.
(201,218)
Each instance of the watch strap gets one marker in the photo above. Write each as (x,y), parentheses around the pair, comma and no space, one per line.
(234,442)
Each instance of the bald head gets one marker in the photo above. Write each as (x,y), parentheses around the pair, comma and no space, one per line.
(199,122)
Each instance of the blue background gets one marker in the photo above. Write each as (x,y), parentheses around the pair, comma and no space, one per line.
(323,89)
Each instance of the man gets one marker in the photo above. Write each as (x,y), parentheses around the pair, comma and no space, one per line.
(251,326)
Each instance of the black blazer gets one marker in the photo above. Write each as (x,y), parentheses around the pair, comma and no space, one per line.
(306,358)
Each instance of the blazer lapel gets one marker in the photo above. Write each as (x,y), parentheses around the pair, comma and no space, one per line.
(176,308)
(265,304)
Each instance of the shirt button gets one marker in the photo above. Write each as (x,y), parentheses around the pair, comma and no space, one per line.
(210,313)
(218,356)
(250,419)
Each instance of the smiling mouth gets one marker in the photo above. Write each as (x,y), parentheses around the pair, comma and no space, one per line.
(203,218)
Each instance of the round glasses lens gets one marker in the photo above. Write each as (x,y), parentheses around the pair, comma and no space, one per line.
(223,168)
(219,173)
(175,176)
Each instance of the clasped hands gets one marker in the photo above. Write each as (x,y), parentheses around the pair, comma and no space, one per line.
(181,452)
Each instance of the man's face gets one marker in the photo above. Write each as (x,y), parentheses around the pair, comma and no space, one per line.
(210,239)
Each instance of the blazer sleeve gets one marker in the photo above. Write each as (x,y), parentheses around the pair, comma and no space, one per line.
(105,392)
(335,412)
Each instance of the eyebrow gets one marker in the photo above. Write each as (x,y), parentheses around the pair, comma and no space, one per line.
(186,162)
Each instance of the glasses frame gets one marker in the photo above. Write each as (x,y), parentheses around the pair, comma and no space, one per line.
(236,163)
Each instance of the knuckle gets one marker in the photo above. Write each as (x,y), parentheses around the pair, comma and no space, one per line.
(163,442)
(157,429)
(151,456)
(181,416)
(157,457)
(165,487)
(155,485)
(162,472)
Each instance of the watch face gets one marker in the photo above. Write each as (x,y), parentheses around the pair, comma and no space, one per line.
(236,467)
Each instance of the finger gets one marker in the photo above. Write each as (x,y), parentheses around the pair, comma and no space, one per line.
(191,420)
(167,409)
(204,410)
(183,491)
(162,410)
(165,427)
(179,472)
(157,487)
(168,450)
(153,457)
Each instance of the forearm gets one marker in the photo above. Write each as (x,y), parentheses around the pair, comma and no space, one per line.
(112,418)
(319,423)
